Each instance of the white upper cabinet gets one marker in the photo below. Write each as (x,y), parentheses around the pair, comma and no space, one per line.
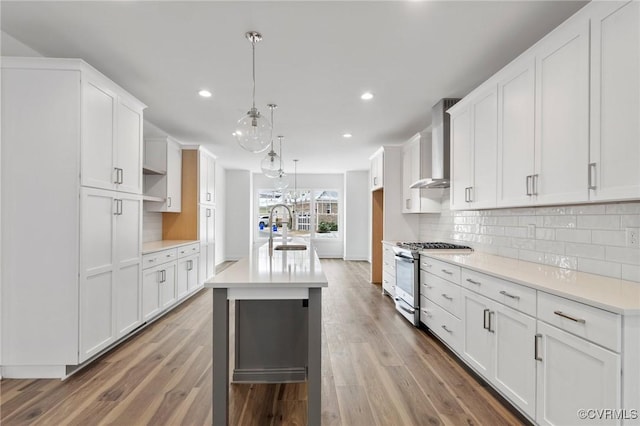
(416,164)
(111,154)
(163,174)
(562,115)
(207,177)
(376,173)
(516,101)
(473,146)
(614,163)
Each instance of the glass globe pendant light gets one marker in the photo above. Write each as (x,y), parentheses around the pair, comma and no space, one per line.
(252,130)
(271,164)
(282,181)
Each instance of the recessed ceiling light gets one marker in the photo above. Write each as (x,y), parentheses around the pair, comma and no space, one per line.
(204,93)
(366,96)
(347,135)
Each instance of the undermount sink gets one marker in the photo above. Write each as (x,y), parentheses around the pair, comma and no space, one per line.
(291,247)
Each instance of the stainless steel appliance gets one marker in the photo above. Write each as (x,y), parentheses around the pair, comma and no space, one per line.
(407,294)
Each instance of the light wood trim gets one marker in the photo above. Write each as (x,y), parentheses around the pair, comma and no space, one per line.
(184,225)
(377,212)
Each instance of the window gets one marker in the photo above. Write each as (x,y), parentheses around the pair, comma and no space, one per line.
(315,213)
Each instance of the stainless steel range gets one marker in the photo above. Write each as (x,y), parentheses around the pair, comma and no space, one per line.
(407,256)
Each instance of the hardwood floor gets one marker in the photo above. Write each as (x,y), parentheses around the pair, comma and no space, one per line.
(377,370)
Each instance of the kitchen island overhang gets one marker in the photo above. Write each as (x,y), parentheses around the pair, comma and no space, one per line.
(280,276)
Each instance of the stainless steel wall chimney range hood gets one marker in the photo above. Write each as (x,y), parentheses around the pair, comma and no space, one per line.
(440,147)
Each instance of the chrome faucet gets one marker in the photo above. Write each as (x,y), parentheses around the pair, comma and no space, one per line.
(290,224)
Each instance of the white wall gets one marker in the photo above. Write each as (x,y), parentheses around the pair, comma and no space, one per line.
(357,206)
(238,211)
(325,248)
(10,46)
(221,214)
(588,238)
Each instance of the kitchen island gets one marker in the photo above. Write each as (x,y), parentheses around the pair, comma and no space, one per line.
(294,275)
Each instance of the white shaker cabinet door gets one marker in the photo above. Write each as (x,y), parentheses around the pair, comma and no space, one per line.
(168,285)
(614,169)
(516,100)
(128,285)
(174,178)
(193,272)
(98,127)
(574,374)
(98,267)
(562,115)
(462,158)
(485,138)
(477,346)
(129,147)
(514,372)
(182,283)
(151,292)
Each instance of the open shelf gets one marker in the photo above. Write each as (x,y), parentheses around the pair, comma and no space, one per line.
(146,170)
(155,199)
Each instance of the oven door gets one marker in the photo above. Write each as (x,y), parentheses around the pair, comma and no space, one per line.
(406,279)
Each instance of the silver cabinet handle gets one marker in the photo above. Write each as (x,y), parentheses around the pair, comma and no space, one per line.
(466,194)
(208,196)
(427,286)
(485,319)
(119,175)
(536,347)
(444,327)
(569,317)
(447,296)
(427,313)
(491,329)
(534,189)
(118,206)
(504,293)
(528,184)
(189,265)
(208,212)
(474,282)
(471,194)
(447,272)
(168,201)
(426,265)
(375,180)
(115,207)
(591,172)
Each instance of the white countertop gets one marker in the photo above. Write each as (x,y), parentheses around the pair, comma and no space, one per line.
(154,246)
(291,269)
(606,293)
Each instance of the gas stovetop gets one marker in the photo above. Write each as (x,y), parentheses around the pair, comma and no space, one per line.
(419,246)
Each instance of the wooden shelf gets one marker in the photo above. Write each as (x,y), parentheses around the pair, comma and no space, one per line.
(146,170)
(155,199)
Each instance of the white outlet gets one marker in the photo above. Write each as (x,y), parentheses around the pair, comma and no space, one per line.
(531,230)
(632,237)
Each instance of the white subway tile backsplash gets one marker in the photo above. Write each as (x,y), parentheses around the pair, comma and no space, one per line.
(568,221)
(545,234)
(609,238)
(573,235)
(589,238)
(553,247)
(630,221)
(566,262)
(590,251)
(599,222)
(599,267)
(623,255)
(631,272)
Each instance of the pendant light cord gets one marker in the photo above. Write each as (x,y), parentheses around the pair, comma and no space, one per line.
(253,49)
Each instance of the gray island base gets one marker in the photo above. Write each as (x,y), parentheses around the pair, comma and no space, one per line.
(278,338)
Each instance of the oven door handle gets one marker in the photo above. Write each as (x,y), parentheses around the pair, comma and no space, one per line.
(411,311)
(405,259)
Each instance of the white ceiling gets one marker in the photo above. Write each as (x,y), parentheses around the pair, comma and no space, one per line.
(315,60)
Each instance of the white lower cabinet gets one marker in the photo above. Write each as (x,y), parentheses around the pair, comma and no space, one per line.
(548,355)
(111,264)
(499,344)
(159,282)
(187,275)
(388,270)
(574,374)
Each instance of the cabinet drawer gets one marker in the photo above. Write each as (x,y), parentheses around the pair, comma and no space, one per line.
(188,250)
(442,269)
(515,296)
(152,259)
(388,259)
(594,324)
(447,327)
(444,293)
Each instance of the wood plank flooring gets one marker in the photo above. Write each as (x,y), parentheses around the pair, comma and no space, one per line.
(377,370)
